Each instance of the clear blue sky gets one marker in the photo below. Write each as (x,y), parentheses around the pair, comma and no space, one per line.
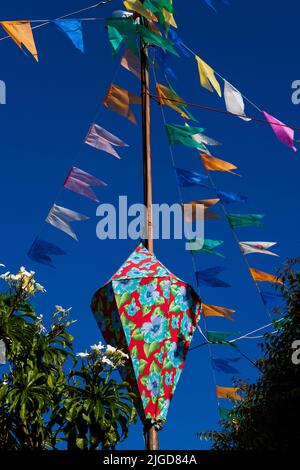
(49,108)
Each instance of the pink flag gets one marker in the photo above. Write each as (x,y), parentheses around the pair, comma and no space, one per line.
(80,182)
(132,63)
(284,133)
(101,139)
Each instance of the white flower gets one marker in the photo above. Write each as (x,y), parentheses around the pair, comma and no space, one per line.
(83,354)
(5,382)
(97,347)
(107,361)
(110,350)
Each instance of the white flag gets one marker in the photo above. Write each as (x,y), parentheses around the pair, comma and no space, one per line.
(234,101)
(257,247)
(61,218)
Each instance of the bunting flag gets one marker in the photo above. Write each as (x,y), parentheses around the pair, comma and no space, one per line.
(163,12)
(257,247)
(228,392)
(178,43)
(161,58)
(41,252)
(215,164)
(190,178)
(261,276)
(122,31)
(155,39)
(119,100)
(269,297)
(224,413)
(80,182)
(132,63)
(207,76)
(224,365)
(245,220)
(205,202)
(283,133)
(191,213)
(61,218)
(101,139)
(209,277)
(138,7)
(2,352)
(228,197)
(207,247)
(21,33)
(203,139)
(73,29)
(215,311)
(183,135)
(169,98)
(234,101)
(220,336)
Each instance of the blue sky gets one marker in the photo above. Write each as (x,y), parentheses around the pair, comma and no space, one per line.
(49,108)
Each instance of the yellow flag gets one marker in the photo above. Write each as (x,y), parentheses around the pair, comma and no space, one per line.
(228,392)
(168,97)
(207,76)
(119,100)
(137,6)
(261,276)
(169,18)
(216,164)
(215,311)
(21,33)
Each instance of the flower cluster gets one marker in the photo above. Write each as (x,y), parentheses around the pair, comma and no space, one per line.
(110,355)
(23,282)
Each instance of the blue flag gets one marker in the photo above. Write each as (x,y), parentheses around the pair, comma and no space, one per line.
(269,297)
(190,178)
(228,198)
(210,278)
(41,252)
(73,29)
(161,57)
(178,43)
(223,365)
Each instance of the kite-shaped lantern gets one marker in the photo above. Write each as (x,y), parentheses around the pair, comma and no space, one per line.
(151,314)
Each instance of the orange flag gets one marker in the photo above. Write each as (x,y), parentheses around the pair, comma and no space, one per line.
(261,276)
(190,215)
(21,33)
(215,164)
(215,311)
(119,100)
(168,97)
(228,392)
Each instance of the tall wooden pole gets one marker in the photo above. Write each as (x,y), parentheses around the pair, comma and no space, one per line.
(152,433)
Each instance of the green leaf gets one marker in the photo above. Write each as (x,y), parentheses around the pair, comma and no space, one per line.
(137,335)
(123,298)
(144,380)
(160,301)
(146,309)
(81,443)
(174,307)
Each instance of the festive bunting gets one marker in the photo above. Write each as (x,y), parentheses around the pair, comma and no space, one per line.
(224,413)
(122,31)
(101,139)
(210,278)
(119,100)
(223,365)
(215,311)
(191,213)
(284,133)
(203,139)
(155,39)
(2,352)
(269,297)
(80,182)
(138,7)
(215,164)
(73,29)
(61,218)
(245,220)
(178,43)
(169,98)
(161,57)
(207,247)
(228,392)
(220,336)
(228,197)
(261,276)
(234,101)
(21,33)
(207,76)
(190,178)
(41,252)
(257,247)
(132,63)
(183,135)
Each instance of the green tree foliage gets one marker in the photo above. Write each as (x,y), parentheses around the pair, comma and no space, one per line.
(48,397)
(268,417)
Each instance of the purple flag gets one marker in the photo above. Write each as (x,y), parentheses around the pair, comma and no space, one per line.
(101,139)
(80,182)
(284,133)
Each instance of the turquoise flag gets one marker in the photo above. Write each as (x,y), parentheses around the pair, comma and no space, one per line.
(245,220)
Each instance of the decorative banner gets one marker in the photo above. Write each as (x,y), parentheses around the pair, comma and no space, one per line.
(224,413)
(138,7)
(220,336)
(132,63)
(21,33)
(61,218)
(269,297)
(261,276)
(80,182)
(2,352)
(207,76)
(228,197)
(178,43)
(257,247)
(73,29)
(215,311)
(283,133)
(224,365)
(119,100)
(190,210)
(190,178)
(208,246)
(203,139)
(215,164)
(234,101)
(151,315)
(169,98)
(157,40)
(160,57)
(210,278)
(41,252)
(183,135)
(228,392)
(101,139)
(245,220)
(122,31)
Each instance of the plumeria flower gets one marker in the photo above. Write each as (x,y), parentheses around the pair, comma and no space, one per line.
(97,347)
(82,354)
(107,361)
(110,350)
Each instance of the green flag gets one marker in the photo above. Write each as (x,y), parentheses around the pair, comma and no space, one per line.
(245,220)
(208,246)
(153,38)
(122,30)
(220,336)
(183,135)
(224,413)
